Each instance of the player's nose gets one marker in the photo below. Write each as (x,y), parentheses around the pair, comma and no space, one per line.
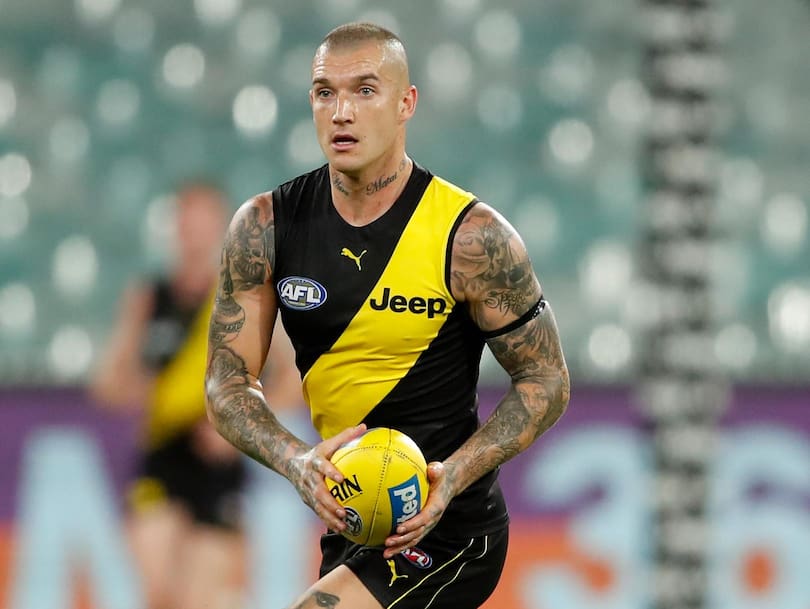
(344,110)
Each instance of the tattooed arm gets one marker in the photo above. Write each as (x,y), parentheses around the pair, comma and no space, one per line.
(239,338)
(492,274)
(491,271)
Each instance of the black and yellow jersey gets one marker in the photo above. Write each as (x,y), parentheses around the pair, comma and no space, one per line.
(378,336)
(175,349)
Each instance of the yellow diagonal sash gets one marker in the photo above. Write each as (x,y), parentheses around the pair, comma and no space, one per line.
(404,312)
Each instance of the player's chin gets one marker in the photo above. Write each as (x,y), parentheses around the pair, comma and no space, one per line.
(345,162)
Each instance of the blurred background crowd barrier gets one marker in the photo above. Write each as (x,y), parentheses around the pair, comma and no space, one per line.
(544,108)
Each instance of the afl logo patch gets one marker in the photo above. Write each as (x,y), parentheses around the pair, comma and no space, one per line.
(354,523)
(418,557)
(301,293)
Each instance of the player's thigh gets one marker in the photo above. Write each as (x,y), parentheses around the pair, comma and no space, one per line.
(213,569)
(339,588)
(155,535)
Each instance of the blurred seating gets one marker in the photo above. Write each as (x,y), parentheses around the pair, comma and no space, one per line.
(106,104)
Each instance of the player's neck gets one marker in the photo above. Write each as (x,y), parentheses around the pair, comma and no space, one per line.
(363,197)
(192,282)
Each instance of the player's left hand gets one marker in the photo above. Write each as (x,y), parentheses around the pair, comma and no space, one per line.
(411,532)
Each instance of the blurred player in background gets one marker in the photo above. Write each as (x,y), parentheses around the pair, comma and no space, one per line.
(185,503)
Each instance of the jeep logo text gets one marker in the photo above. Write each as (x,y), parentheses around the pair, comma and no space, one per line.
(418,305)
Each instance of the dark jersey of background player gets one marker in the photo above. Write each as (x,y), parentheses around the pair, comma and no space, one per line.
(177,464)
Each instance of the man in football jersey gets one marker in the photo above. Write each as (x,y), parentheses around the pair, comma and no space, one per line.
(183,504)
(389,281)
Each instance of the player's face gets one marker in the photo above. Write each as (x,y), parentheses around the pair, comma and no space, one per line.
(361,101)
(201,222)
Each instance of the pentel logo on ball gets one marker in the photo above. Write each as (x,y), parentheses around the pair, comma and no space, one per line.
(301,293)
(405,501)
(399,304)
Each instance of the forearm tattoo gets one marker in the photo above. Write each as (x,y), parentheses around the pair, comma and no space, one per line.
(536,399)
(540,389)
(243,415)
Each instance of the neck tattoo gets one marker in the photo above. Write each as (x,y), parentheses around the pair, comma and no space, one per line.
(373,187)
(380,183)
(338,183)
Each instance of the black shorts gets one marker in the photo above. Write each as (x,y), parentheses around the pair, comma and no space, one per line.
(439,573)
(211,493)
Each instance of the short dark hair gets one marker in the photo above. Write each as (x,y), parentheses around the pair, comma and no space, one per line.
(199,182)
(202,185)
(358,32)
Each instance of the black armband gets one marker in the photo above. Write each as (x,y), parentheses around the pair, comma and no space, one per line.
(522,320)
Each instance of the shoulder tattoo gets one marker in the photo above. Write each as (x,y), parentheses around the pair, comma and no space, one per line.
(491,265)
(246,263)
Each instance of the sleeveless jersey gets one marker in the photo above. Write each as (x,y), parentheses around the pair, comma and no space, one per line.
(378,336)
(175,349)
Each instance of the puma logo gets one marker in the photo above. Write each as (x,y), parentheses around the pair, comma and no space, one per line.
(394,577)
(349,254)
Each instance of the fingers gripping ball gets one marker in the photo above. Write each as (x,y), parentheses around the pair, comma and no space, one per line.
(385,484)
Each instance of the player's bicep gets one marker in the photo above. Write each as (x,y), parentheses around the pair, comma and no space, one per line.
(490,270)
(245,307)
(492,273)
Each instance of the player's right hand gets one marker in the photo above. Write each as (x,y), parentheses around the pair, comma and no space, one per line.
(413,530)
(308,473)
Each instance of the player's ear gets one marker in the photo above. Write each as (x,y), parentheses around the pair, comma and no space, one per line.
(407,103)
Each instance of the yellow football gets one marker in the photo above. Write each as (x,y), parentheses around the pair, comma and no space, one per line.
(385,484)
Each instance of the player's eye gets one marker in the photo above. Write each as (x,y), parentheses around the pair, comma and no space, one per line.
(366,91)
